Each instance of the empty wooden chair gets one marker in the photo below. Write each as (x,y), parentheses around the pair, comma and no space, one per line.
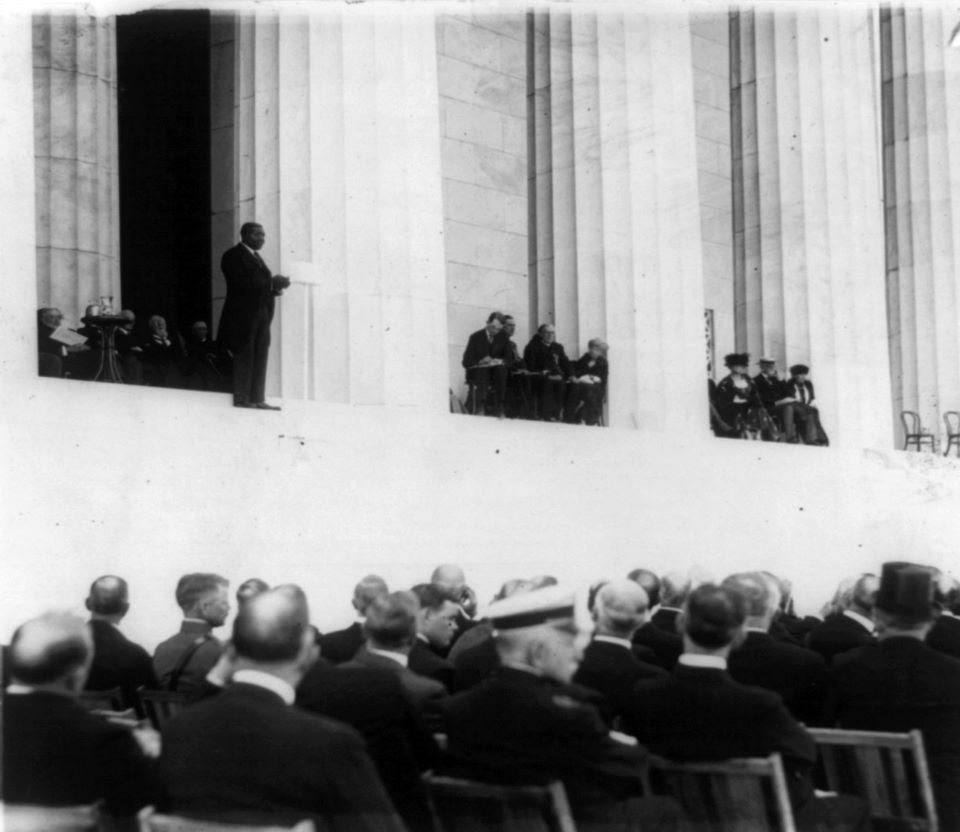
(913,431)
(23,818)
(887,771)
(150,821)
(740,795)
(161,705)
(102,700)
(468,806)
(952,420)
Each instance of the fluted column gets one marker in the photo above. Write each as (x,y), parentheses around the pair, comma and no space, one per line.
(807,180)
(921,91)
(75,142)
(337,139)
(620,196)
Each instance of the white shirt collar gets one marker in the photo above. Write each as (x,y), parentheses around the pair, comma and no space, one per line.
(254,253)
(423,638)
(700,660)
(268,681)
(521,666)
(622,642)
(400,658)
(756,630)
(860,619)
(195,620)
(14,688)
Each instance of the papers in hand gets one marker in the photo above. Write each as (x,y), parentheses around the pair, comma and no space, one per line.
(68,337)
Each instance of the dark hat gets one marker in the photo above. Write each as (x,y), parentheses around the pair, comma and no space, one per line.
(906,589)
(737,359)
(799,370)
(530,609)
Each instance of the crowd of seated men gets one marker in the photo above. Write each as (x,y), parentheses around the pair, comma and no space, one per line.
(542,383)
(284,723)
(156,356)
(765,406)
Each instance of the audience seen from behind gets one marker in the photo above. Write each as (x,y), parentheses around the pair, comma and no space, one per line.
(275,732)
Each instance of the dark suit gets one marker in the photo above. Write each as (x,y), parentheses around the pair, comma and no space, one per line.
(428,696)
(398,741)
(475,663)
(169,654)
(836,635)
(245,320)
(797,674)
(945,636)
(119,663)
(519,728)
(342,645)
(55,753)
(591,396)
(246,756)
(666,644)
(666,619)
(425,662)
(481,346)
(613,670)
(900,684)
(551,363)
(702,714)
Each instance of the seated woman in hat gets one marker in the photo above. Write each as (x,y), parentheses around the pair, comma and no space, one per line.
(736,394)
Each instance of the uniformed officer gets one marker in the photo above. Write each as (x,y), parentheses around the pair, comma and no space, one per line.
(526,724)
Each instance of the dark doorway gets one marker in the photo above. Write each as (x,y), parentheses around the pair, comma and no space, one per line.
(163,79)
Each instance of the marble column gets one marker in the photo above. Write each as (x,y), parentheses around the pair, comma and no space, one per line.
(75,144)
(617,208)
(921,138)
(808,209)
(337,146)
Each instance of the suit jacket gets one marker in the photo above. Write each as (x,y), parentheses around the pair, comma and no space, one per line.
(170,652)
(118,662)
(249,291)
(667,645)
(520,728)
(474,664)
(480,347)
(539,357)
(427,695)
(598,367)
(246,756)
(614,671)
(342,645)
(55,753)
(425,662)
(770,390)
(398,740)
(900,684)
(836,635)
(477,631)
(797,674)
(945,636)
(792,388)
(666,619)
(703,714)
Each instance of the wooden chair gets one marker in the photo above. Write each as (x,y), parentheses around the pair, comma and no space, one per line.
(952,420)
(102,700)
(740,795)
(887,771)
(24,818)
(149,821)
(913,431)
(468,806)
(161,705)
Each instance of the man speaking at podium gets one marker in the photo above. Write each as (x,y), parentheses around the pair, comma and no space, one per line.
(245,321)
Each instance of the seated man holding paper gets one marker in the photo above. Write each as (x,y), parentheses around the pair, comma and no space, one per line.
(56,345)
(485,360)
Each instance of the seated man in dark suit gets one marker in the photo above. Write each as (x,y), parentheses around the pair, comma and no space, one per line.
(611,664)
(800,389)
(700,713)
(247,756)
(849,629)
(545,357)
(436,626)
(56,753)
(117,662)
(527,724)
(183,660)
(898,683)
(342,645)
(590,372)
(797,674)
(485,360)
(666,644)
(391,630)
(451,580)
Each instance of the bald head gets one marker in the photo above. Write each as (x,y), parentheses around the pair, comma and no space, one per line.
(271,628)
(864,594)
(108,598)
(450,578)
(54,649)
(621,608)
(370,587)
(674,589)
(760,594)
